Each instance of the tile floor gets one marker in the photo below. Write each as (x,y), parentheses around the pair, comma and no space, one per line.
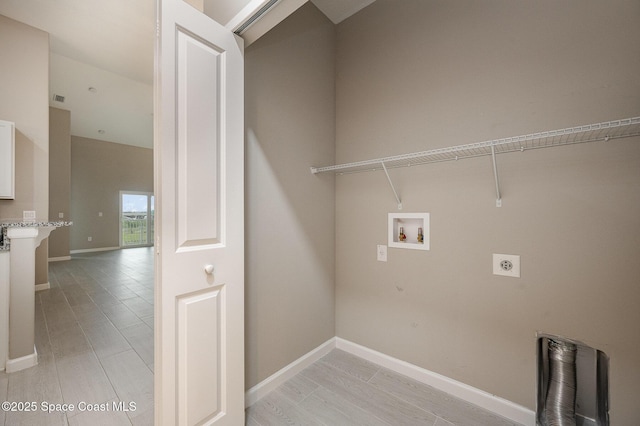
(341,389)
(94,336)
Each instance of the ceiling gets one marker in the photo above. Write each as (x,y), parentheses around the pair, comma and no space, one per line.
(339,10)
(101,60)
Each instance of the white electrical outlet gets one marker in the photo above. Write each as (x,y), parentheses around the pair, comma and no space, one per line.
(60,215)
(507,265)
(382,253)
(29,216)
(89,238)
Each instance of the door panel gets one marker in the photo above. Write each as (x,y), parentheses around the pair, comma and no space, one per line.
(200,344)
(200,92)
(199,160)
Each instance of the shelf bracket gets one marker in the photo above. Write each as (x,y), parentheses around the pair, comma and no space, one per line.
(391,184)
(495,175)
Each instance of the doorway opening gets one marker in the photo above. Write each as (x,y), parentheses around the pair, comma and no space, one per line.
(136,219)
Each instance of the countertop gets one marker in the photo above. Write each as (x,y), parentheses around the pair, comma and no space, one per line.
(9,223)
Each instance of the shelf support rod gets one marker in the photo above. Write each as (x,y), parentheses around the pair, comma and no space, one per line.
(495,175)
(391,184)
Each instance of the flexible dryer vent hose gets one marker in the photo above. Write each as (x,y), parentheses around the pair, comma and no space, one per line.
(560,404)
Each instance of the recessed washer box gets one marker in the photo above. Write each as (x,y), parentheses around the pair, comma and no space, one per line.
(415,230)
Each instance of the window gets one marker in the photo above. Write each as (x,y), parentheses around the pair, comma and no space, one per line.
(136,218)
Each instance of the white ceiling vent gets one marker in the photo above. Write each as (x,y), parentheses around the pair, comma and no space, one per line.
(58,98)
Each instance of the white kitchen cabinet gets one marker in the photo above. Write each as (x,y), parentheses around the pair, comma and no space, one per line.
(7,160)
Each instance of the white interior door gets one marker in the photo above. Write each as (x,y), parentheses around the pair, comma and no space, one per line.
(199,329)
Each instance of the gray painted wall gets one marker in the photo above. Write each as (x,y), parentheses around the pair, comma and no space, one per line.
(24,90)
(99,171)
(290,116)
(415,75)
(59,179)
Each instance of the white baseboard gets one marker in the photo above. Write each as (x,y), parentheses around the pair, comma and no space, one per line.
(94,250)
(279,377)
(59,259)
(495,404)
(43,286)
(23,362)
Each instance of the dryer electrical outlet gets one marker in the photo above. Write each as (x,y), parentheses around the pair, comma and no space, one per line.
(507,265)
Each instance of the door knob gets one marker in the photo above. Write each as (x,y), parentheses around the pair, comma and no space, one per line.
(208,269)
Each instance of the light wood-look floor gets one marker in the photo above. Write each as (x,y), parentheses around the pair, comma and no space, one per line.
(341,389)
(94,336)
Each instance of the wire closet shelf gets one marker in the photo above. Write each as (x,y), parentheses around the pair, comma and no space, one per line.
(605,131)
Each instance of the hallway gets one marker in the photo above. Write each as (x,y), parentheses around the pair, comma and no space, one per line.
(94,337)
